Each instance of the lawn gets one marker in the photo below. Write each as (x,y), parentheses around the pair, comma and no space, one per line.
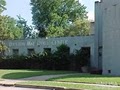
(68,82)
(65,81)
(67,85)
(17,74)
(87,78)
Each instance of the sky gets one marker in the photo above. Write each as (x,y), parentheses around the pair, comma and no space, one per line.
(23,8)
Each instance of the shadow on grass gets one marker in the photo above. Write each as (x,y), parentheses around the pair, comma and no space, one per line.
(31,73)
(19,75)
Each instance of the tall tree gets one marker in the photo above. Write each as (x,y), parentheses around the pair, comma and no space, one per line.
(27,30)
(56,16)
(2,5)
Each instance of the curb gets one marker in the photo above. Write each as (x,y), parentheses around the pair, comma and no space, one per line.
(6,84)
(37,87)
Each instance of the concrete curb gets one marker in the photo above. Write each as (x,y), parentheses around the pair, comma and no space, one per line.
(7,85)
(37,87)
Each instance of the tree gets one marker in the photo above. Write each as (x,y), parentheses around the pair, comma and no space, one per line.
(8,28)
(2,5)
(56,16)
(3,47)
(27,30)
(80,27)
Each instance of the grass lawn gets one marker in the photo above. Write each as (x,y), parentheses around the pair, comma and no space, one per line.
(67,85)
(65,81)
(17,74)
(87,78)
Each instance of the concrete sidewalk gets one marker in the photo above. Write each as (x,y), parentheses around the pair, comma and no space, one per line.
(44,77)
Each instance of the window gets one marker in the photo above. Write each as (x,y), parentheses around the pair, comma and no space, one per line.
(15,51)
(31,51)
(100,51)
(109,71)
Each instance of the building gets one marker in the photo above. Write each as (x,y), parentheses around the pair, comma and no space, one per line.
(26,47)
(103,42)
(107,36)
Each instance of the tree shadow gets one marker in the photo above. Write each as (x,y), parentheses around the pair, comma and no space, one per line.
(19,75)
(32,73)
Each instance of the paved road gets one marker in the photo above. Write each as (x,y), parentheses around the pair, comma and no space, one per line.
(17,88)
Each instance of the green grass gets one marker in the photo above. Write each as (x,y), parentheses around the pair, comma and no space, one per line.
(67,85)
(17,74)
(87,78)
(65,81)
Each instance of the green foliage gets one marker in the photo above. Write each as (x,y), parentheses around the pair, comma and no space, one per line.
(55,31)
(8,28)
(82,57)
(56,16)
(61,59)
(2,5)
(63,49)
(27,30)
(2,47)
(80,27)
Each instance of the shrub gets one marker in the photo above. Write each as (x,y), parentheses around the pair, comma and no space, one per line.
(61,59)
(82,58)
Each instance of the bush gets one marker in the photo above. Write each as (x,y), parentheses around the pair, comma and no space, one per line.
(82,58)
(61,59)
